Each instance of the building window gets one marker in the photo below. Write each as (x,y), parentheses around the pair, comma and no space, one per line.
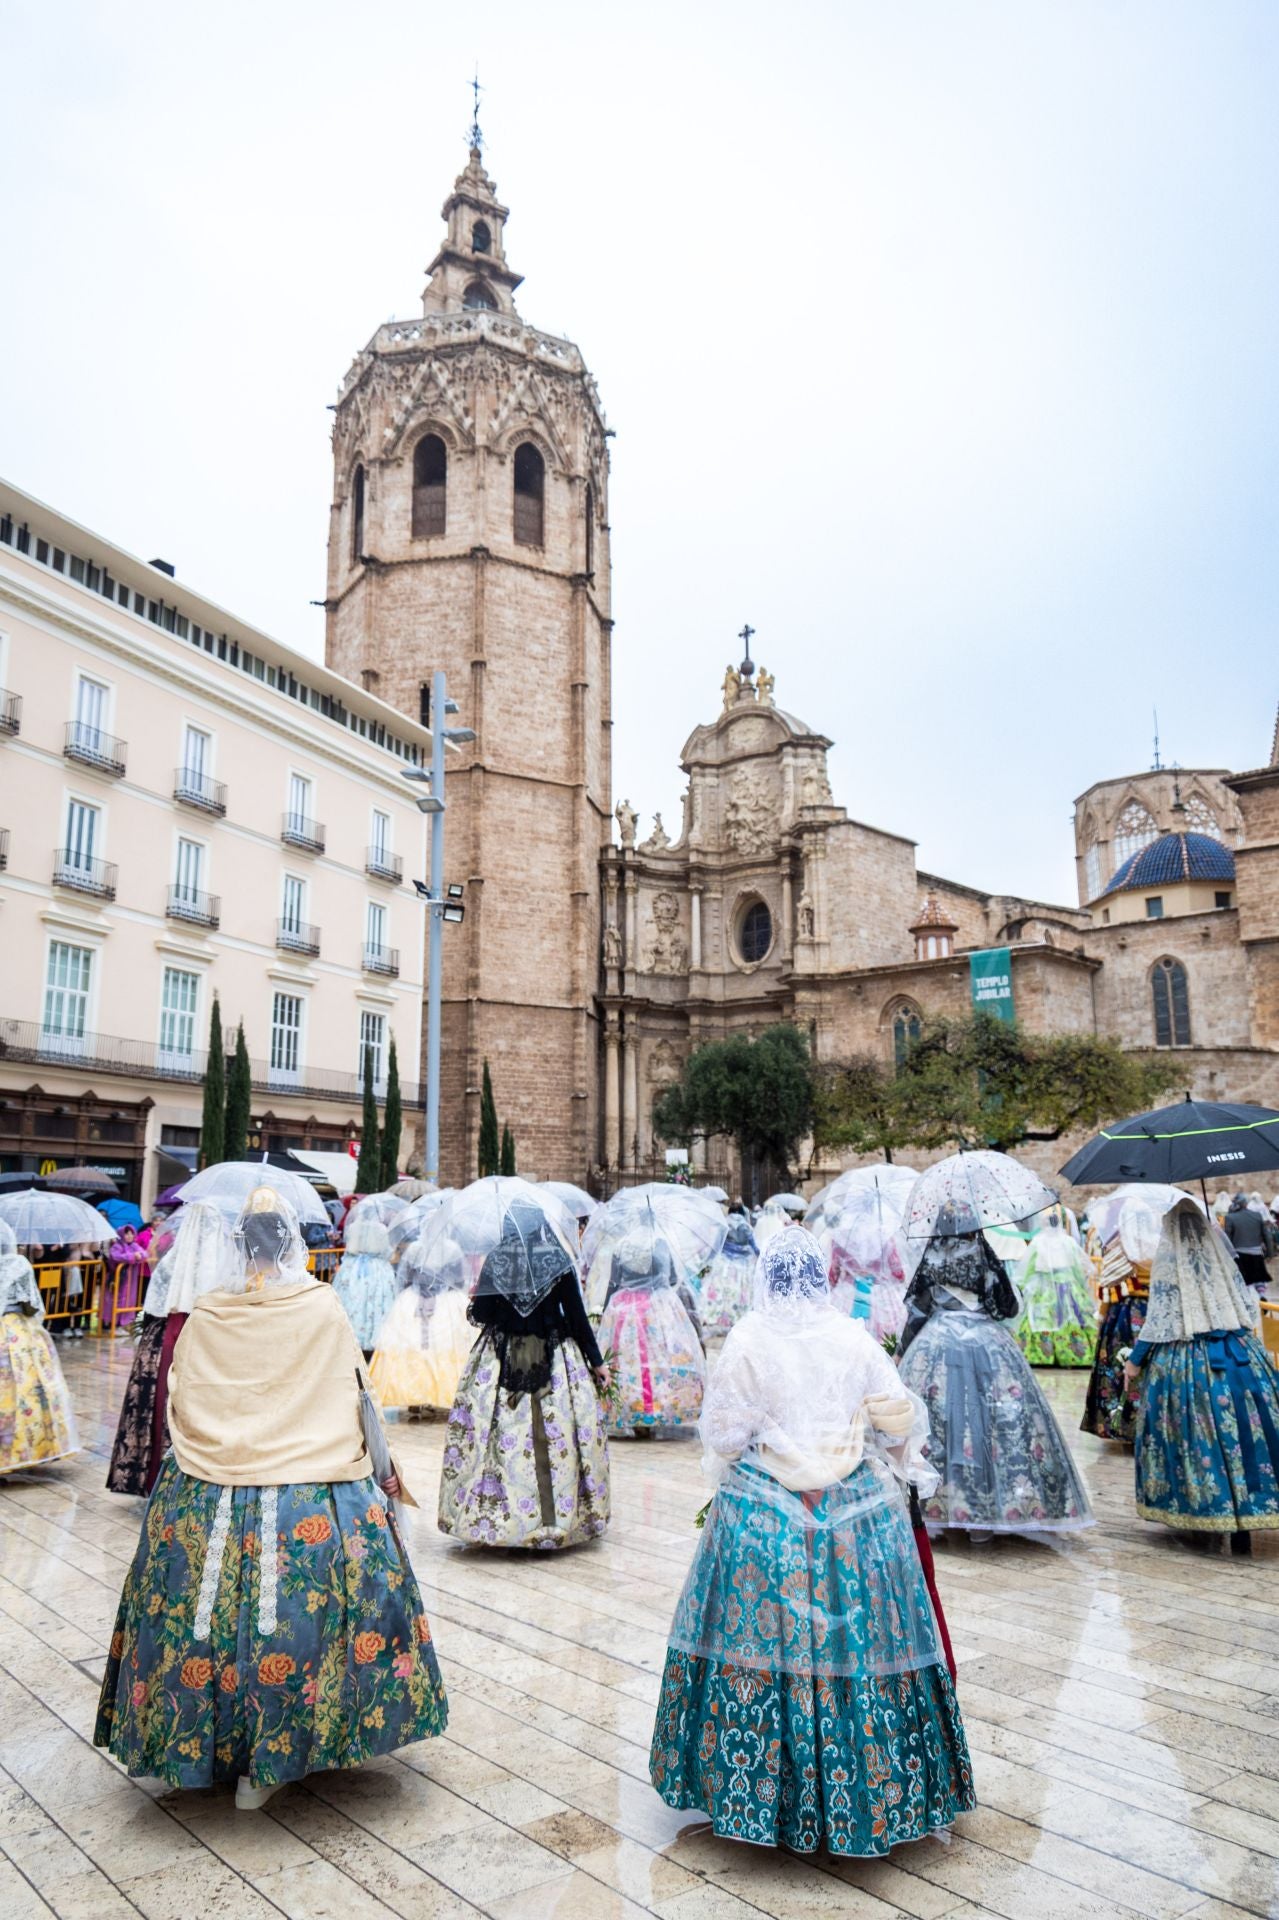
(188,878)
(530,486)
(1134,830)
(375,926)
(299,817)
(286,1038)
(430,486)
(1171,996)
(1222,899)
(91,715)
(197,756)
(83,822)
(1200,817)
(590,528)
(179,995)
(755,932)
(481,238)
(1155,907)
(479,298)
(380,836)
(293,904)
(66,996)
(907,1026)
(373,1044)
(1092,870)
(357,516)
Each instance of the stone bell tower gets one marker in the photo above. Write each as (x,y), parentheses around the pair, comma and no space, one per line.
(469,532)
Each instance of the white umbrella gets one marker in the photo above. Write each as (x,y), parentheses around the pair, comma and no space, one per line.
(966,1194)
(54,1220)
(229,1184)
(576,1199)
(693,1225)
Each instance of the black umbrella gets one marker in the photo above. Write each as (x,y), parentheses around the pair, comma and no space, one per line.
(1196,1140)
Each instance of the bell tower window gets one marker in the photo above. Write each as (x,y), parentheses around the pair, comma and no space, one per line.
(479,298)
(481,238)
(430,487)
(357,515)
(530,486)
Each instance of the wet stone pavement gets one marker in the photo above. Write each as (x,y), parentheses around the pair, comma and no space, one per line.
(1121,1695)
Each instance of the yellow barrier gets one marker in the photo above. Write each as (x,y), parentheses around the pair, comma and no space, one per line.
(1270,1328)
(323,1262)
(127,1278)
(69,1290)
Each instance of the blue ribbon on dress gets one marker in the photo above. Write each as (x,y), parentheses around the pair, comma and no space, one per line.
(1228,1354)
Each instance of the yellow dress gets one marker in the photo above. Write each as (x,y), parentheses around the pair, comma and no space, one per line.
(36,1421)
(422,1348)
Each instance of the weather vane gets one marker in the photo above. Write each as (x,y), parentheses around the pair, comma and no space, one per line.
(477,138)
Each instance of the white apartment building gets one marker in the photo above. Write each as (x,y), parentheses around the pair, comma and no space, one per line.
(188,808)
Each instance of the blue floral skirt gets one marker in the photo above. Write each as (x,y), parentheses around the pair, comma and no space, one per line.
(1208,1435)
(365,1283)
(266,1631)
(1110,1406)
(804,1699)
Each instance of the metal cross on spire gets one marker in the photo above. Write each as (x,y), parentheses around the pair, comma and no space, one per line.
(477,138)
(746,635)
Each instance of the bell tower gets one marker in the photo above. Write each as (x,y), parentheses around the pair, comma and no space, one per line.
(469,531)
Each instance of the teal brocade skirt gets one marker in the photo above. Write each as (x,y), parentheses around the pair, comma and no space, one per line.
(1207,1456)
(266,1631)
(861,1760)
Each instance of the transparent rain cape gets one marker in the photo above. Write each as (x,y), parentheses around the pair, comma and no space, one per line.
(268,1245)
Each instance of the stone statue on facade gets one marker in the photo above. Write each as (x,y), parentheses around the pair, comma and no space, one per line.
(612,946)
(669,952)
(627,820)
(764,684)
(732,687)
(658,840)
(807,916)
(748,816)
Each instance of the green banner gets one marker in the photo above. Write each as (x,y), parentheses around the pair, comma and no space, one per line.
(990,977)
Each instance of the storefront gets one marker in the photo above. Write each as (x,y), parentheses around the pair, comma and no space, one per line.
(42,1133)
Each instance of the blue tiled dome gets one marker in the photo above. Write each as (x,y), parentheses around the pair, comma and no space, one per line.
(1174,857)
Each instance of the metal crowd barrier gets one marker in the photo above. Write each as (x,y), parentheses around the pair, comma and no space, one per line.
(1270,1328)
(324,1262)
(70,1290)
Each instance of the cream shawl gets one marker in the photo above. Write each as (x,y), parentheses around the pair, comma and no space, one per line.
(264,1390)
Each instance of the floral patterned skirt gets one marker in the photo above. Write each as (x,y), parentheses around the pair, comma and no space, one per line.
(365,1283)
(422,1350)
(1208,1435)
(1110,1408)
(36,1421)
(660,1367)
(266,1631)
(726,1292)
(130,1469)
(1003,1460)
(1058,1323)
(528,1469)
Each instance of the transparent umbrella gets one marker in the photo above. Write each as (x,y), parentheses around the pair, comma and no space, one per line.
(54,1220)
(229,1184)
(633,1249)
(576,1199)
(407,1226)
(967,1193)
(380,1206)
(1105,1213)
(693,1226)
(503,1215)
(865,1235)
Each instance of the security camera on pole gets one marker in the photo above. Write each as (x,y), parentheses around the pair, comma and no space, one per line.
(442,903)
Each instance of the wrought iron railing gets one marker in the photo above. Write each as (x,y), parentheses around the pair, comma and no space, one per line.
(383,865)
(381,959)
(297,831)
(197,790)
(197,909)
(4,848)
(10,711)
(93,748)
(295,936)
(74,870)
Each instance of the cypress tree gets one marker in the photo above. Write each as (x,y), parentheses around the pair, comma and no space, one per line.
(239,1100)
(490,1144)
(213,1119)
(508,1151)
(392,1122)
(368,1172)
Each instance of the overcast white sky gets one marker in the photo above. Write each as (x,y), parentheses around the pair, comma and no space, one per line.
(939,339)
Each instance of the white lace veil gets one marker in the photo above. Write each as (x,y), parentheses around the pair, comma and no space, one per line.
(269,1250)
(202,1258)
(1194,1284)
(366,1230)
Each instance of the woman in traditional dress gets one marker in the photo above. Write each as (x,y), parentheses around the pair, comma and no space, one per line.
(200,1260)
(650,1334)
(1123,1283)
(1207,1457)
(1057,1326)
(425,1340)
(365,1280)
(525,1454)
(1004,1464)
(36,1421)
(726,1290)
(270,1625)
(805,1697)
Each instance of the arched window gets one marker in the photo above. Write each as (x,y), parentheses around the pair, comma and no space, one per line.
(530,485)
(357,516)
(1092,870)
(755,932)
(479,297)
(1134,829)
(481,238)
(590,528)
(907,1027)
(1171,996)
(430,486)
(1200,817)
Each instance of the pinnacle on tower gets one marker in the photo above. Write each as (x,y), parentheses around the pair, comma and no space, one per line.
(470,272)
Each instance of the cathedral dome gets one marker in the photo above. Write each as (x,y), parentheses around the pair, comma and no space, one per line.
(1171,858)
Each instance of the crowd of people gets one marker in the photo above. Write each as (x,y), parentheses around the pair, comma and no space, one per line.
(863,1371)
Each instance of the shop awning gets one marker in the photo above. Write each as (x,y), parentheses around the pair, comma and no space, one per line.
(337,1168)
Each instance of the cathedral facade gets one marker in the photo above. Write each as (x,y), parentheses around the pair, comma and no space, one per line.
(469,531)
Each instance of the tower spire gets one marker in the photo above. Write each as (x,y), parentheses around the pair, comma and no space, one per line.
(476,137)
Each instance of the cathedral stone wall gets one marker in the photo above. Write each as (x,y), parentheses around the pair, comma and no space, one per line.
(1206,944)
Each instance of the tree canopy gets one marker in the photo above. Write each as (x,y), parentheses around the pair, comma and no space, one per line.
(757,1092)
(982,1082)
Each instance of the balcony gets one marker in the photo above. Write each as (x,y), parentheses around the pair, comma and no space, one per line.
(195,909)
(383,865)
(11,712)
(384,960)
(295,936)
(197,790)
(89,747)
(27,1042)
(4,848)
(78,874)
(297,831)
